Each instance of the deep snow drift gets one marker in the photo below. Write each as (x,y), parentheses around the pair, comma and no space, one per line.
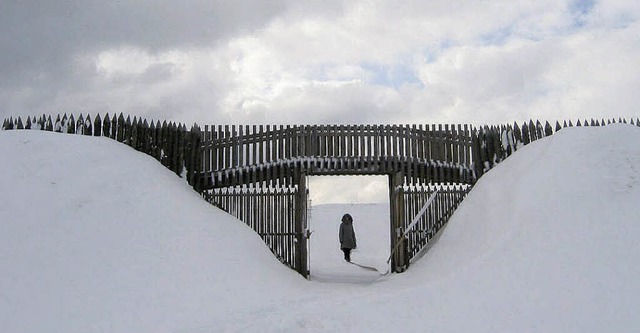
(95,237)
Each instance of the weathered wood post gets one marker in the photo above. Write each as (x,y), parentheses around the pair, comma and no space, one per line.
(301,226)
(399,262)
(476,148)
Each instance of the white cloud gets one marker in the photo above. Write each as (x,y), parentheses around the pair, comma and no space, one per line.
(363,61)
(348,189)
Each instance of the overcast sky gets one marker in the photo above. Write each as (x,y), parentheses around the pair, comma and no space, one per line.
(290,61)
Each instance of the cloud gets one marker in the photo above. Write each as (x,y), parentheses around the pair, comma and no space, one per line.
(348,189)
(42,40)
(368,61)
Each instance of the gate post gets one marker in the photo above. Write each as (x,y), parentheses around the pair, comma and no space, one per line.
(301,228)
(399,256)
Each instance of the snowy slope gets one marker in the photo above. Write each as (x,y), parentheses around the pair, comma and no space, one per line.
(95,237)
(371,224)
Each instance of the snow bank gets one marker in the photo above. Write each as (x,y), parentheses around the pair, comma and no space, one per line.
(96,237)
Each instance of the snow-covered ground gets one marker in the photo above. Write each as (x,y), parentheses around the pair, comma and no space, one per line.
(371,224)
(96,237)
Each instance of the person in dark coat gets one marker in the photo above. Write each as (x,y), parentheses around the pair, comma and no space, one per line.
(347,236)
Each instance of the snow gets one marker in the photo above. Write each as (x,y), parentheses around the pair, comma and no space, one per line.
(96,237)
(371,224)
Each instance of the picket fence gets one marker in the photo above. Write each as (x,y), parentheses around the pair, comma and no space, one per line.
(258,173)
(493,144)
(271,213)
(170,143)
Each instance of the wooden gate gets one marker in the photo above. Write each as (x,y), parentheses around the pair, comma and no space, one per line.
(249,170)
(420,212)
(277,214)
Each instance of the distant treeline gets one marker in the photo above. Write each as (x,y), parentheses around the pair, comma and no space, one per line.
(170,143)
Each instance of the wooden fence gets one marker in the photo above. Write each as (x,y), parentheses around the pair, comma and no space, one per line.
(171,144)
(446,200)
(493,144)
(270,212)
(220,148)
(258,173)
(236,146)
(237,155)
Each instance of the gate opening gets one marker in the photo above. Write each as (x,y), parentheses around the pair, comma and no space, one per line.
(366,199)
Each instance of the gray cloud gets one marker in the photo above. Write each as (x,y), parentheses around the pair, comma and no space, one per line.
(321,61)
(45,29)
(42,39)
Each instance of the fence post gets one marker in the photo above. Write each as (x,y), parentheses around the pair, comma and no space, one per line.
(97,126)
(71,124)
(396,210)
(301,226)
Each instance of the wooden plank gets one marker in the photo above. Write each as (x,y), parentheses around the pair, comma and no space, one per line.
(287,142)
(413,135)
(207,150)
(393,141)
(375,153)
(279,140)
(358,138)
(227,147)
(340,142)
(245,150)
(301,141)
(426,145)
(386,140)
(327,141)
(275,137)
(351,141)
(466,160)
(428,138)
(268,144)
(261,146)
(409,142)
(421,142)
(456,142)
(308,150)
(287,228)
(219,150)
(368,142)
(234,146)
(328,134)
(276,226)
(361,151)
(440,155)
(396,208)
(315,141)
(399,136)
(301,247)
(319,140)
